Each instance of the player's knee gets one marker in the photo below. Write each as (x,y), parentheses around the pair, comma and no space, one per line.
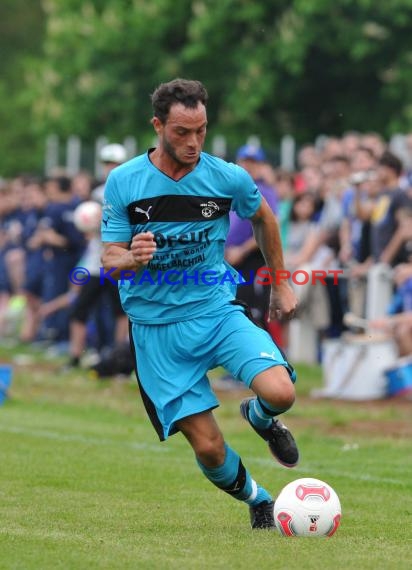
(280,396)
(276,388)
(283,398)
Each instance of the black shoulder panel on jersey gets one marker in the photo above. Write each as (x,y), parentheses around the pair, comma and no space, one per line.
(173,208)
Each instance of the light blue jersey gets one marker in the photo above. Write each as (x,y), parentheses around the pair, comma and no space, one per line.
(189,218)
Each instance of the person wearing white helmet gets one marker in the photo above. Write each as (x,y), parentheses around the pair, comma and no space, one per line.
(111,155)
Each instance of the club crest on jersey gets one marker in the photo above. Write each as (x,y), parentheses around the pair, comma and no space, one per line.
(209,208)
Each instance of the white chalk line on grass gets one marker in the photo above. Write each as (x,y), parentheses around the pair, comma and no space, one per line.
(46,534)
(304,469)
(309,468)
(45,434)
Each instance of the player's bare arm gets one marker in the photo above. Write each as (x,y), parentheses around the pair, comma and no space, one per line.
(283,300)
(123,256)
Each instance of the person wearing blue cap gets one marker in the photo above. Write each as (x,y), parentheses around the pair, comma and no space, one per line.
(241,250)
(251,152)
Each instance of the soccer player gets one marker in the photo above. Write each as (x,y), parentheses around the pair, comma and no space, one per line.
(165,220)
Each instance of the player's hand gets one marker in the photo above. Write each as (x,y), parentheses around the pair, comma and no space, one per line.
(283,302)
(143,248)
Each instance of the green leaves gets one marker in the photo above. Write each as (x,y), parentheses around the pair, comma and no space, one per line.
(301,67)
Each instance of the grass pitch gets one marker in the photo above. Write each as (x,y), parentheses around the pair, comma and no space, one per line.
(85,484)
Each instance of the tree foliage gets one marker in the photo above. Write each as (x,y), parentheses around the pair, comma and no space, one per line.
(301,67)
(21,30)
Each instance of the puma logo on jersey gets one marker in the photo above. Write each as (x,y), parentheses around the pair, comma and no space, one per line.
(267,355)
(145,212)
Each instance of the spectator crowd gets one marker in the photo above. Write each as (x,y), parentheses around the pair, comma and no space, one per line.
(348,206)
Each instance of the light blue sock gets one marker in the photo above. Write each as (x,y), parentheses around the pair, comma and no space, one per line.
(261,413)
(262,495)
(234,479)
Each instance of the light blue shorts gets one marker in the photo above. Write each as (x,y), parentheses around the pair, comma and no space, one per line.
(173,360)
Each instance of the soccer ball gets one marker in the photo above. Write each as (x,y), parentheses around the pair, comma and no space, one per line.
(87,216)
(307,507)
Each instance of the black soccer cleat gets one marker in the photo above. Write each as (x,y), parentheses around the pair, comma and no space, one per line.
(279,439)
(262,516)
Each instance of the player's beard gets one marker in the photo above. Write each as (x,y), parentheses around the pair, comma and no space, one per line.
(169,148)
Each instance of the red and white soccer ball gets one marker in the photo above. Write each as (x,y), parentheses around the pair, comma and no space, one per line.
(88,216)
(307,507)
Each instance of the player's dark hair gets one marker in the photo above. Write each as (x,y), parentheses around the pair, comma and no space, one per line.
(185,91)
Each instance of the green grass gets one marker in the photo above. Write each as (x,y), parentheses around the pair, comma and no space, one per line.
(85,484)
